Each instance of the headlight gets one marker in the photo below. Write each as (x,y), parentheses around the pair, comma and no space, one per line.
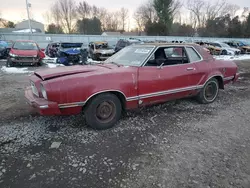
(44,93)
(12,55)
(34,89)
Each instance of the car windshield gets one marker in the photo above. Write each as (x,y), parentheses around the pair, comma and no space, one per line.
(131,55)
(25,46)
(71,45)
(103,46)
(215,44)
(244,44)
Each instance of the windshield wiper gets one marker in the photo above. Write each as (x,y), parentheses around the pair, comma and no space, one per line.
(115,63)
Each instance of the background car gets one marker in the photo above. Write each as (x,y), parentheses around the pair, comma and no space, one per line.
(242,46)
(100,50)
(51,49)
(25,52)
(69,53)
(3,49)
(226,49)
(126,42)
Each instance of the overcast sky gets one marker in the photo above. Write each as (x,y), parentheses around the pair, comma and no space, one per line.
(14,10)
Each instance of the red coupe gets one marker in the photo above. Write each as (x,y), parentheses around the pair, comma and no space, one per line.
(25,53)
(136,76)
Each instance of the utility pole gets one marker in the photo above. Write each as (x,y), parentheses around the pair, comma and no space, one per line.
(27,7)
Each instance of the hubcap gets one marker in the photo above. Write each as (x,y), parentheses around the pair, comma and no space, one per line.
(105,111)
(211,91)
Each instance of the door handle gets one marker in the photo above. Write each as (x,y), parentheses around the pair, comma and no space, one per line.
(190,68)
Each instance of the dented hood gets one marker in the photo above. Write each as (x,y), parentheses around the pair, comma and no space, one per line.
(50,73)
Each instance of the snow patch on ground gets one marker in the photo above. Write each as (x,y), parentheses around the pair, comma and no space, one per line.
(228,57)
(15,70)
(53,65)
(49,60)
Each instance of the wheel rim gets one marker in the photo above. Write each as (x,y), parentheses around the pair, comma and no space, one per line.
(211,91)
(105,111)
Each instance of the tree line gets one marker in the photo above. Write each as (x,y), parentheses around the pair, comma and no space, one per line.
(154,17)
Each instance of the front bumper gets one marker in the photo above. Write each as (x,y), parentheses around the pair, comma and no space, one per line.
(28,61)
(41,105)
(236,77)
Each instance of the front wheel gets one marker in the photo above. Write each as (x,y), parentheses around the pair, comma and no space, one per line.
(103,111)
(209,92)
(9,63)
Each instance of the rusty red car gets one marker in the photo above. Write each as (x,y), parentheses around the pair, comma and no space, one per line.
(136,76)
(25,52)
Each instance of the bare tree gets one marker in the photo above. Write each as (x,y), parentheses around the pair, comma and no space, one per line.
(64,13)
(196,8)
(202,11)
(55,14)
(123,17)
(84,9)
(139,18)
(232,9)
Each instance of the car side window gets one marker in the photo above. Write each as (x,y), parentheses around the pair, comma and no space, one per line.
(193,55)
(167,56)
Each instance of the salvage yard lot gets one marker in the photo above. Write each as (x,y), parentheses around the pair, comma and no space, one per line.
(176,144)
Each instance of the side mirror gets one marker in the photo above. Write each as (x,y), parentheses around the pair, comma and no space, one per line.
(161,66)
(42,49)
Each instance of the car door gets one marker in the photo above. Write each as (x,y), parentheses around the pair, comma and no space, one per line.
(199,68)
(169,81)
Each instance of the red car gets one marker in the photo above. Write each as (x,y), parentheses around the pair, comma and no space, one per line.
(136,76)
(25,53)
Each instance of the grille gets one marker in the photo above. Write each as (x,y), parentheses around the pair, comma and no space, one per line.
(25,58)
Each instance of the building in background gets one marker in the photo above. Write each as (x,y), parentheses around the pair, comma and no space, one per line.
(38,27)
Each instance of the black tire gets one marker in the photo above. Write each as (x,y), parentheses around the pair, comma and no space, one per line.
(95,111)
(93,57)
(224,52)
(210,96)
(9,63)
(40,62)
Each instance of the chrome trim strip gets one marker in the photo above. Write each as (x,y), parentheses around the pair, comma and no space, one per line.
(132,98)
(167,92)
(70,105)
(44,107)
(228,78)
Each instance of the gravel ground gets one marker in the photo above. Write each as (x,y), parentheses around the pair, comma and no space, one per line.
(177,144)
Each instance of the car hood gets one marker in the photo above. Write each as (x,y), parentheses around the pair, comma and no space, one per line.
(47,74)
(247,47)
(71,51)
(24,52)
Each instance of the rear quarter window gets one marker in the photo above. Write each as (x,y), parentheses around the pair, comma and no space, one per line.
(193,55)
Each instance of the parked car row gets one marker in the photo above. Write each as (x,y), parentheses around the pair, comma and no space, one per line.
(21,52)
(72,53)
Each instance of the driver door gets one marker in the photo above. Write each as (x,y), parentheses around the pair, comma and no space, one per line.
(167,79)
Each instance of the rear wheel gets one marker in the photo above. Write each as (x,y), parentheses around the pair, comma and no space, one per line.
(210,92)
(103,111)
(224,52)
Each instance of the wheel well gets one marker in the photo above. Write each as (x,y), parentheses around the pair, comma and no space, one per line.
(220,81)
(120,96)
